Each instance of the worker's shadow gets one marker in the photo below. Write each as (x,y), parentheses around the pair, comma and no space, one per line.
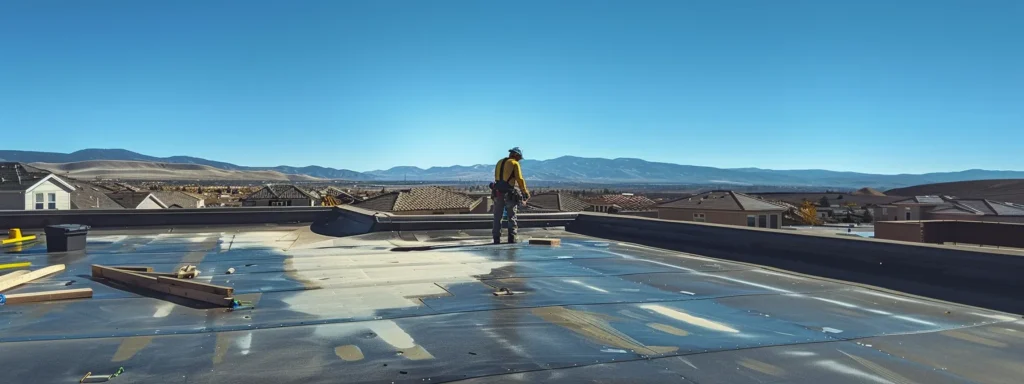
(185,302)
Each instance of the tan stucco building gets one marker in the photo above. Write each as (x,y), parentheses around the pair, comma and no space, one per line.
(724,207)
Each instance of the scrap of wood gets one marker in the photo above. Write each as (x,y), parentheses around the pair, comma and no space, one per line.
(33,275)
(12,275)
(153,284)
(218,289)
(546,241)
(64,294)
(133,268)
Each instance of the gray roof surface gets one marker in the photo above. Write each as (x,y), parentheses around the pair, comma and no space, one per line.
(91,196)
(351,309)
(179,198)
(282,191)
(128,199)
(724,201)
(18,176)
(627,203)
(558,201)
(419,199)
(922,200)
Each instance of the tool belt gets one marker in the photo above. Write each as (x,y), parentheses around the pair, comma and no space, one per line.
(505,187)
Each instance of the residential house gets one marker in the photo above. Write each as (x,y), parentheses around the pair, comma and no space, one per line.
(424,201)
(556,202)
(179,199)
(626,202)
(136,200)
(92,196)
(949,208)
(24,187)
(339,195)
(281,195)
(724,207)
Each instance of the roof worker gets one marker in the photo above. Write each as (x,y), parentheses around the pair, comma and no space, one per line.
(506,196)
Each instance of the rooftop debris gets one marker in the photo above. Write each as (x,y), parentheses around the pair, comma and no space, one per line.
(176,284)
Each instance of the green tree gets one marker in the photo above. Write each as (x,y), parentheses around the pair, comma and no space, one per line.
(868,217)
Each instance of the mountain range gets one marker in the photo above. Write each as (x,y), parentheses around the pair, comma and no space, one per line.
(563,169)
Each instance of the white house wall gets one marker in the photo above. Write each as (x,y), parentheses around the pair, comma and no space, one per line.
(149,203)
(47,187)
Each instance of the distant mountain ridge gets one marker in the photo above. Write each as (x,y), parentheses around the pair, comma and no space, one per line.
(563,169)
(126,155)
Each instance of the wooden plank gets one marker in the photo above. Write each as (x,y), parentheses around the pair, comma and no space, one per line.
(64,294)
(218,289)
(33,275)
(551,242)
(12,275)
(133,268)
(157,274)
(151,283)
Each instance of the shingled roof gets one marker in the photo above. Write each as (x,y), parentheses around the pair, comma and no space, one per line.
(980,207)
(131,200)
(625,202)
(723,201)
(282,191)
(419,199)
(558,201)
(20,177)
(178,199)
(92,196)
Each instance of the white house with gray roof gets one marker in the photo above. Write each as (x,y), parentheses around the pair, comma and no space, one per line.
(27,188)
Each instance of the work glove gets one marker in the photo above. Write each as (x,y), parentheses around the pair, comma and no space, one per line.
(526,196)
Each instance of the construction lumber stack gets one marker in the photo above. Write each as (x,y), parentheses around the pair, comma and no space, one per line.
(177,284)
(16,278)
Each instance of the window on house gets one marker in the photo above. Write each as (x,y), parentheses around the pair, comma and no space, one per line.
(885,211)
(774,222)
(699,217)
(51,201)
(762,221)
(39,201)
(908,215)
(751,221)
(279,203)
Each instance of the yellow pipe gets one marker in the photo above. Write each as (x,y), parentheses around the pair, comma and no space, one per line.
(16,265)
(18,239)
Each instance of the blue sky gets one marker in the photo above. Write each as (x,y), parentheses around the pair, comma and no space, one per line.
(872,86)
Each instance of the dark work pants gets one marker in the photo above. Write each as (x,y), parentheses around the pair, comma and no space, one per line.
(503,203)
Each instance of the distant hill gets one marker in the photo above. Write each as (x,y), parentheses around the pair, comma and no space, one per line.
(565,169)
(148,170)
(998,190)
(626,170)
(866,191)
(126,155)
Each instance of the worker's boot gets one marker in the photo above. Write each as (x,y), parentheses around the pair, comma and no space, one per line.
(497,239)
(512,239)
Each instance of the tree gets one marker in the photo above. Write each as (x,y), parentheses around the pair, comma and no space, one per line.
(824,203)
(808,213)
(867,216)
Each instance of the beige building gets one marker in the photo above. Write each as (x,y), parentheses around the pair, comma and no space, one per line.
(26,188)
(724,207)
(949,208)
(425,201)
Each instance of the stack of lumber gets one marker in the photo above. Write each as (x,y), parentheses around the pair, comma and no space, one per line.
(177,284)
(16,278)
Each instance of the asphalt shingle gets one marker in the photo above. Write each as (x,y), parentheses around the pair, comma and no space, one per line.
(419,199)
(724,201)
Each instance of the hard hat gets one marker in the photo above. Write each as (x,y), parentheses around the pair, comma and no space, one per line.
(516,150)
